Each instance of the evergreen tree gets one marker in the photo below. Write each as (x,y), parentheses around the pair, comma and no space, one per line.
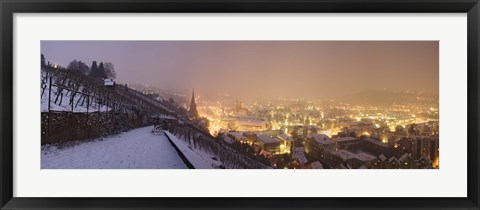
(93,70)
(97,71)
(101,71)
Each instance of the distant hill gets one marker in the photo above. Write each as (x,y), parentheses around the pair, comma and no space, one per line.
(388,98)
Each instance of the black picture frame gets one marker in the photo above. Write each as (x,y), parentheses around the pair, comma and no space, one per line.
(10,7)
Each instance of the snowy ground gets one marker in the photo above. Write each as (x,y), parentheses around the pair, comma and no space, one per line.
(137,149)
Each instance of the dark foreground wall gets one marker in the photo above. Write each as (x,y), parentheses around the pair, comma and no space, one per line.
(59,127)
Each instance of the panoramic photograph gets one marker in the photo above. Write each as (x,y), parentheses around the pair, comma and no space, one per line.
(239,104)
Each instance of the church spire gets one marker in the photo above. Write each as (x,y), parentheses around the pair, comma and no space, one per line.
(192,112)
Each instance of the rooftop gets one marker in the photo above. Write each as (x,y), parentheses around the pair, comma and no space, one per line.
(382,157)
(321,138)
(364,156)
(348,138)
(228,140)
(346,155)
(236,135)
(267,139)
(284,137)
(377,142)
(317,165)
(300,156)
(393,159)
(404,157)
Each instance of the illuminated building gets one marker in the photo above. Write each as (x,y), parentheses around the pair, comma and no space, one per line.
(376,147)
(287,141)
(346,142)
(252,125)
(429,148)
(270,144)
(240,108)
(317,145)
(300,132)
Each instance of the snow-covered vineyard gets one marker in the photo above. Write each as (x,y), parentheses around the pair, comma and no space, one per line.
(64,90)
(88,125)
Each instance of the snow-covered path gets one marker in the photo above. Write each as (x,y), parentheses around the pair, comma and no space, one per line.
(138,148)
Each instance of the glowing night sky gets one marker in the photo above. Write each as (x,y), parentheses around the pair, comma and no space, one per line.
(265,68)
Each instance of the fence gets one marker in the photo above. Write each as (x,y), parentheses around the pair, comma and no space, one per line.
(203,141)
(88,100)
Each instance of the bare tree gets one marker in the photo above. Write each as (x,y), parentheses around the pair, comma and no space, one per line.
(43,60)
(78,66)
(110,70)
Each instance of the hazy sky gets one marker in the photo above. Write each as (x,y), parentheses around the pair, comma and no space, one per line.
(275,68)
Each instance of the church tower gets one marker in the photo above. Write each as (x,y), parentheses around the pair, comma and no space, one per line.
(192,112)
